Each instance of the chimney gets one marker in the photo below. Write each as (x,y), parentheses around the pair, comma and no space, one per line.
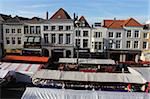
(47,15)
(74,16)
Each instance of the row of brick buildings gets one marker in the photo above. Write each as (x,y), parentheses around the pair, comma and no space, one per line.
(61,36)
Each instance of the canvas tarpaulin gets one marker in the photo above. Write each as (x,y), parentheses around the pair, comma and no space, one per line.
(144,71)
(87,61)
(47,93)
(82,76)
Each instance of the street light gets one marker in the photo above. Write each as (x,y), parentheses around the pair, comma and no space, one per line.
(77,23)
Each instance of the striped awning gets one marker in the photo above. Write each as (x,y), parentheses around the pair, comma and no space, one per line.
(21,67)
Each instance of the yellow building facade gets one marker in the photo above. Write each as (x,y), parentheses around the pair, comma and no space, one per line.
(145,56)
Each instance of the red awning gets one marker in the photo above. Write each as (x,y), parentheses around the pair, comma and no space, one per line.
(25,58)
(144,62)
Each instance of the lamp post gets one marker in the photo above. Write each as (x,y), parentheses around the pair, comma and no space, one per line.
(77,23)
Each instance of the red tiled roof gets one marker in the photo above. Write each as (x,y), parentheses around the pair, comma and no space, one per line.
(25,58)
(107,23)
(61,14)
(116,24)
(132,22)
(82,19)
(121,23)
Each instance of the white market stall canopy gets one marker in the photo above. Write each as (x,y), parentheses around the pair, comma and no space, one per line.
(93,77)
(87,61)
(24,68)
(143,71)
(3,73)
(47,93)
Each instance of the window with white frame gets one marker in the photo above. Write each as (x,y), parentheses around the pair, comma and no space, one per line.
(46,38)
(26,30)
(144,45)
(85,33)
(128,33)
(85,43)
(38,30)
(98,45)
(7,31)
(110,45)
(32,30)
(78,42)
(60,28)
(13,40)
(136,34)
(97,34)
(68,38)
(45,28)
(110,34)
(100,34)
(136,44)
(60,41)
(128,44)
(7,40)
(118,43)
(78,33)
(12,30)
(19,40)
(53,28)
(145,35)
(19,30)
(68,28)
(53,38)
(118,35)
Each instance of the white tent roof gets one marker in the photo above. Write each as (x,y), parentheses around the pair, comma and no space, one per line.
(47,74)
(3,73)
(94,77)
(21,67)
(47,93)
(86,61)
(143,71)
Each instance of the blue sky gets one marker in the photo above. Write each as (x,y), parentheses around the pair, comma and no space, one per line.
(93,10)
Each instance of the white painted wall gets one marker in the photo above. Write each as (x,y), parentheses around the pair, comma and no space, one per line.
(57,32)
(10,35)
(133,29)
(81,37)
(99,39)
(114,37)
